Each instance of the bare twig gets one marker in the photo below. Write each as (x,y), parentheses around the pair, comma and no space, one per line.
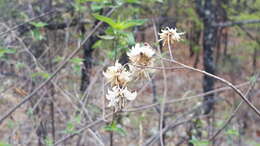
(220,79)
(98,121)
(102,119)
(233,114)
(242,22)
(164,91)
(82,129)
(144,107)
(160,68)
(174,124)
(64,63)
(28,21)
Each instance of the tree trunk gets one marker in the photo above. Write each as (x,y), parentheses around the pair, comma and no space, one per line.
(86,70)
(208,45)
(206,13)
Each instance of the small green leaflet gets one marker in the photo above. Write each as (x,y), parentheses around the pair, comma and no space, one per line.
(76,60)
(132,1)
(4,51)
(197,142)
(48,141)
(36,34)
(100,4)
(106,37)
(38,24)
(232,132)
(120,25)
(41,74)
(83,1)
(108,20)
(113,127)
(2,143)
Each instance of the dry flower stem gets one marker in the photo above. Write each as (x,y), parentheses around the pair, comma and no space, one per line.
(164,92)
(169,47)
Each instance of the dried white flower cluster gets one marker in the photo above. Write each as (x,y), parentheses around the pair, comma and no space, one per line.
(170,35)
(141,56)
(141,60)
(118,77)
(118,94)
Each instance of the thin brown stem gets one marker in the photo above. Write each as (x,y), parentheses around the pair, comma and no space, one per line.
(169,47)
(164,92)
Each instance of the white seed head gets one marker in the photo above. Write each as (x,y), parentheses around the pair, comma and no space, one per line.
(117,75)
(112,96)
(129,95)
(170,34)
(117,96)
(141,56)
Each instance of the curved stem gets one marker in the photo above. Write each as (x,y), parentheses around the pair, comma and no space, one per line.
(221,80)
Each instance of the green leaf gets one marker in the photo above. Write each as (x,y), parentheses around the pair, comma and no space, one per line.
(160,1)
(77,69)
(41,74)
(19,65)
(2,143)
(108,20)
(70,128)
(114,128)
(57,59)
(29,112)
(48,141)
(252,78)
(118,24)
(92,1)
(197,142)
(111,54)
(130,38)
(132,1)
(4,51)
(78,6)
(11,124)
(129,23)
(77,60)
(98,44)
(98,5)
(38,24)
(36,34)
(77,119)
(106,37)
(232,132)
(196,49)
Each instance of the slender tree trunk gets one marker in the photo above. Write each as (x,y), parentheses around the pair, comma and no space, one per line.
(225,41)
(88,50)
(86,70)
(218,44)
(255,55)
(208,45)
